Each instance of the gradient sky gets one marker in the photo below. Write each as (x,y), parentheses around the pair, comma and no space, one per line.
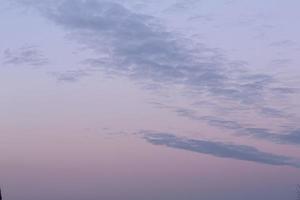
(144,100)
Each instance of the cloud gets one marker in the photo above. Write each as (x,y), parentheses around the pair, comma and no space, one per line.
(219,149)
(281,62)
(292,137)
(27,55)
(272,112)
(289,136)
(181,5)
(137,46)
(285,90)
(283,43)
(71,75)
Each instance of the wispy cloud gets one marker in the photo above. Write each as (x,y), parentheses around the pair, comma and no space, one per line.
(283,43)
(219,149)
(289,136)
(138,46)
(71,75)
(27,55)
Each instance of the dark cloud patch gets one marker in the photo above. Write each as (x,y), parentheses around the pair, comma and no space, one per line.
(27,55)
(292,138)
(219,149)
(228,124)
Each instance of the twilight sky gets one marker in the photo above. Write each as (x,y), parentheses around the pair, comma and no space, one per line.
(144,100)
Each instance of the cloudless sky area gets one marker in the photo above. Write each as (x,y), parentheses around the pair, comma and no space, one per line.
(149,100)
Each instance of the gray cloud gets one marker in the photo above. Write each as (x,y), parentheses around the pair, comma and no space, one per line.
(202,18)
(180,5)
(219,149)
(272,112)
(27,55)
(293,137)
(281,62)
(71,75)
(285,90)
(289,136)
(136,45)
(283,43)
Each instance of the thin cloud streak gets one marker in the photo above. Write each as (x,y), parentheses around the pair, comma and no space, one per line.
(71,75)
(27,55)
(290,136)
(219,149)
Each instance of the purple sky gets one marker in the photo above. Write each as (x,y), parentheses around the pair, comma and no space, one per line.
(144,100)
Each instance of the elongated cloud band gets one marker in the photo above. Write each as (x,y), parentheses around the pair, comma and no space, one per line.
(218,149)
(27,55)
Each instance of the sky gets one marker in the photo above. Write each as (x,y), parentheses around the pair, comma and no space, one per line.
(144,100)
